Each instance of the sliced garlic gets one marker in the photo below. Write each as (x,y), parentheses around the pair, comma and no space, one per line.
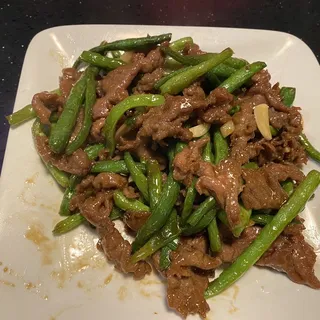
(200,130)
(127,56)
(227,128)
(261,115)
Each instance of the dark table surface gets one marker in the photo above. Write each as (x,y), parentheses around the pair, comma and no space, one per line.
(22,19)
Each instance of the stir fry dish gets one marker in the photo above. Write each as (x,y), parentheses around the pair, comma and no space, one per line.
(196,152)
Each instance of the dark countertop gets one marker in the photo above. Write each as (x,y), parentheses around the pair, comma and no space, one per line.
(22,19)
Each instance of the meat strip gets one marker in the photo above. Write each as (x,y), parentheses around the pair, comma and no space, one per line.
(69,77)
(118,251)
(44,103)
(222,182)
(115,85)
(77,163)
(136,219)
(262,189)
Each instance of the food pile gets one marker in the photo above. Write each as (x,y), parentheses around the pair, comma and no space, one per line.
(197,153)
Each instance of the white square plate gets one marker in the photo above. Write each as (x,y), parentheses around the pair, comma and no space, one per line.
(42,277)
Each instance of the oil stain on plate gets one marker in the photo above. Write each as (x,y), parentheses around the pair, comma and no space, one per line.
(44,245)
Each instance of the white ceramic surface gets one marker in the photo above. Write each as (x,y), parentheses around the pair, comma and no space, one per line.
(42,277)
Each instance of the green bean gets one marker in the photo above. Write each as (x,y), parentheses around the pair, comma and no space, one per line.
(141,100)
(165,260)
(273,131)
(163,80)
(250,165)
(115,166)
(267,235)
(160,214)
(137,176)
(234,110)
(179,44)
(264,218)
(310,149)
(287,95)
(214,81)
(154,182)
(261,218)
(171,64)
(220,70)
(188,202)
(24,114)
(204,207)
(244,217)
(214,237)
(220,145)
(59,176)
(61,132)
(179,147)
(288,187)
(116,214)
(90,99)
(126,204)
(184,79)
(54,117)
(241,76)
(236,63)
(202,224)
(129,44)
(161,238)
(207,154)
(155,189)
(94,150)
(116,54)
(68,194)
(133,43)
(100,61)
(68,224)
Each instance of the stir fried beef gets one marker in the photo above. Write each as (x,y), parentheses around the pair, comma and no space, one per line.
(96,209)
(262,189)
(148,81)
(219,104)
(118,251)
(115,85)
(136,219)
(44,103)
(94,196)
(233,247)
(290,254)
(77,163)
(96,130)
(272,94)
(130,192)
(94,199)
(192,49)
(108,180)
(152,61)
(283,148)
(148,133)
(186,283)
(187,162)
(194,91)
(167,120)
(245,128)
(222,182)
(67,80)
